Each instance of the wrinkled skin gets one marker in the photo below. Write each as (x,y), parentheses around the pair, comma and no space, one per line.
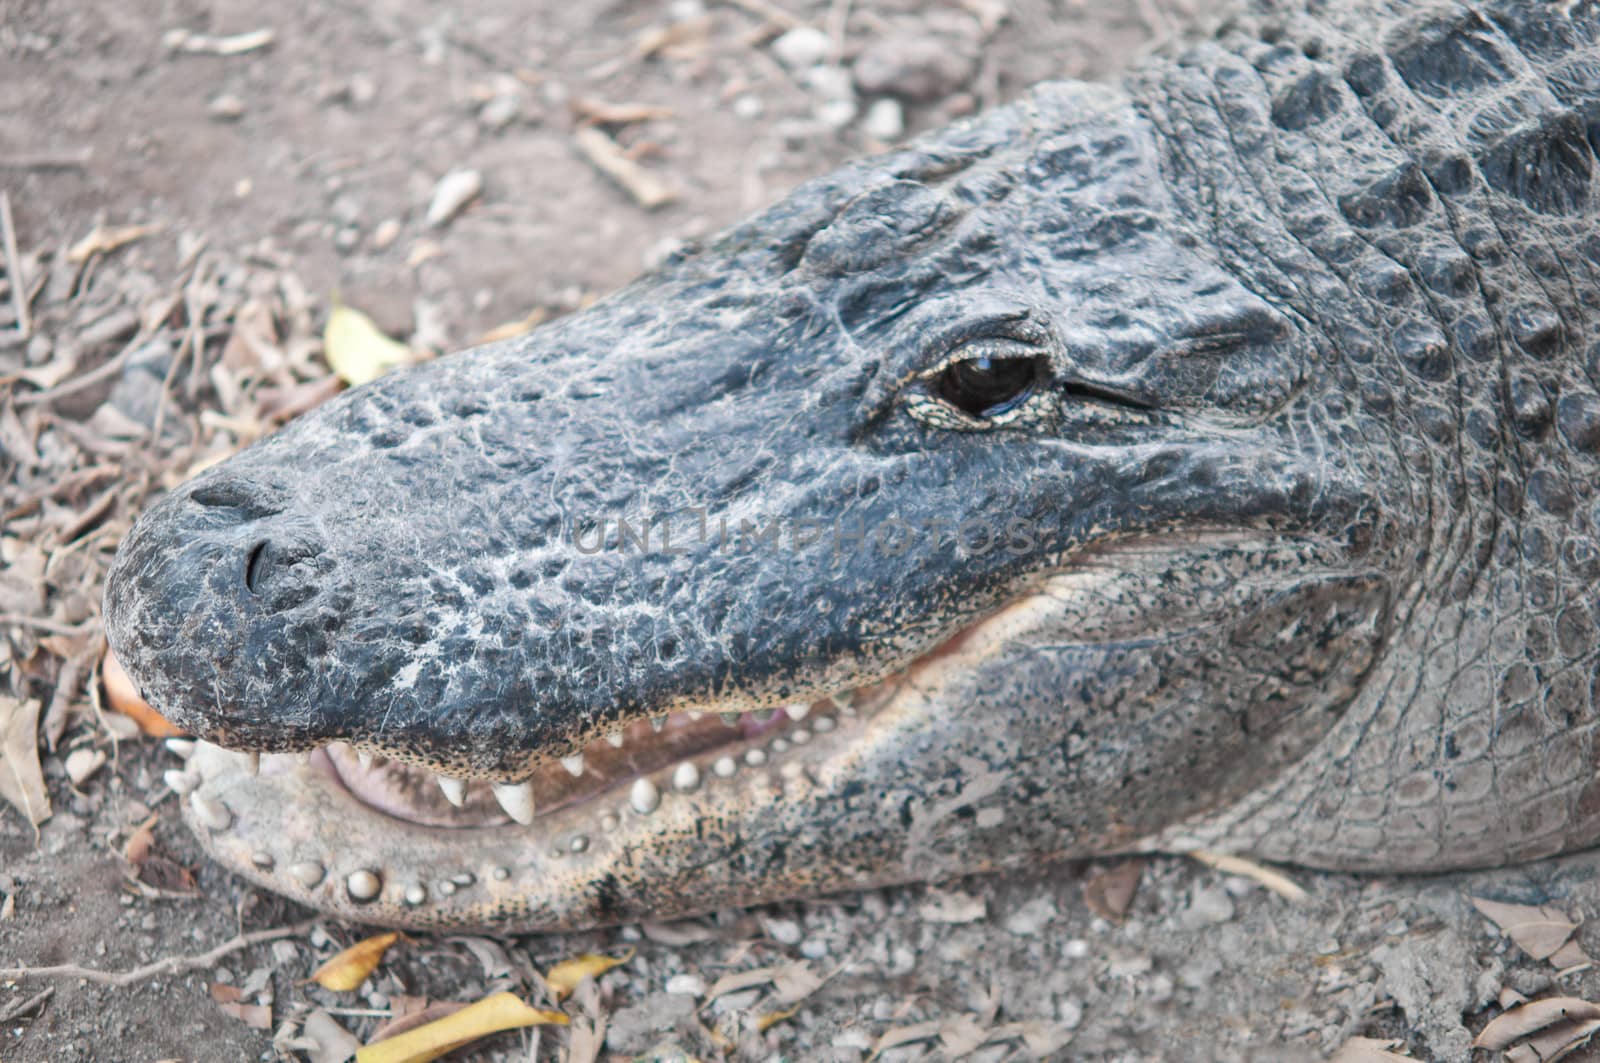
(1283,545)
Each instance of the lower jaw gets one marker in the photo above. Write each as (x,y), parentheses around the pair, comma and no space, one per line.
(600,851)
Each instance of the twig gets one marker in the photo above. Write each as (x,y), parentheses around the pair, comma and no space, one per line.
(22,1007)
(8,243)
(53,626)
(1275,881)
(762,9)
(647,190)
(78,383)
(47,160)
(169,965)
(837,21)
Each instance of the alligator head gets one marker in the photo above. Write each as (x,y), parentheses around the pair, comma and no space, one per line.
(960,510)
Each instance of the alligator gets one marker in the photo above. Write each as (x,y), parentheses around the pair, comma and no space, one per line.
(1207,460)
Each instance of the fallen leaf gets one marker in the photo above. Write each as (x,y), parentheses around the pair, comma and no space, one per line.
(500,1011)
(1368,1050)
(230,1000)
(21,781)
(1526,1019)
(1538,931)
(565,976)
(123,697)
(412,1019)
(330,1042)
(1569,956)
(357,349)
(346,970)
(772,1018)
(1553,1042)
(1109,891)
(103,240)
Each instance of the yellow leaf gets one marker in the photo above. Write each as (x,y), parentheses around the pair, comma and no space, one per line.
(348,969)
(500,1011)
(357,349)
(565,976)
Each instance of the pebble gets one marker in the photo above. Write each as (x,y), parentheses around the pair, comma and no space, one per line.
(1069,1013)
(801,47)
(1208,906)
(886,120)
(500,111)
(81,764)
(919,68)
(749,106)
(387,232)
(453,192)
(783,931)
(225,108)
(1031,918)
(634,1029)
(687,984)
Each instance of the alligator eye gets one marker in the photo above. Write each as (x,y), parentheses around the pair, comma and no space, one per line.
(987,387)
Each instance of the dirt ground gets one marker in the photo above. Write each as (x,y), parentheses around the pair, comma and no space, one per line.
(192,183)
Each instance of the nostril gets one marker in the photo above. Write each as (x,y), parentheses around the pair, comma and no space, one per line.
(251,498)
(253,567)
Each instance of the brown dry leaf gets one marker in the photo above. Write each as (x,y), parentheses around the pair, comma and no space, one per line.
(1368,1050)
(1539,932)
(565,976)
(346,970)
(499,1011)
(1526,1019)
(230,1000)
(103,240)
(21,780)
(772,1018)
(358,350)
(1553,1043)
(905,1035)
(123,697)
(1569,956)
(410,1020)
(1109,891)
(329,1041)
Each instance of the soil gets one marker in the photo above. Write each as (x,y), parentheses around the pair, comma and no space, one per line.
(270,177)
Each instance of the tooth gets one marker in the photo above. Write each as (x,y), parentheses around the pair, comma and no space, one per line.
(308,873)
(693,715)
(212,813)
(363,885)
(573,764)
(262,859)
(455,790)
(500,874)
(364,757)
(764,715)
(657,723)
(517,799)
(614,739)
(845,702)
(755,757)
(724,766)
(179,782)
(797,711)
(730,719)
(800,736)
(823,724)
(644,797)
(416,893)
(685,777)
(181,747)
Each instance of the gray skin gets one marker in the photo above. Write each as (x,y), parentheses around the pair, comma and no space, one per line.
(1286,546)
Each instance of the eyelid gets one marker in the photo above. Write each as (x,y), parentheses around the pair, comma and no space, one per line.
(992,347)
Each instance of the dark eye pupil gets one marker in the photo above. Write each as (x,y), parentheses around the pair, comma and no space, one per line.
(987,387)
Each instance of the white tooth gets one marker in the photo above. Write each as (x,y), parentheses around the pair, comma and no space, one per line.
(657,723)
(364,758)
(800,736)
(823,724)
(724,766)
(729,719)
(455,790)
(363,885)
(573,764)
(252,763)
(517,799)
(179,782)
(844,702)
(685,777)
(181,747)
(694,715)
(308,873)
(644,797)
(797,711)
(755,757)
(614,739)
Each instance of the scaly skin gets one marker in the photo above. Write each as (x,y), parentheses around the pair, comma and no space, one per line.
(1294,492)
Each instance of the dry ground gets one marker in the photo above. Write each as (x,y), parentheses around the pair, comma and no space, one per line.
(251,186)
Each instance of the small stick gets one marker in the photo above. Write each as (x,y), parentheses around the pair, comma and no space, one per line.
(22,1007)
(1275,881)
(52,626)
(19,298)
(169,965)
(46,160)
(647,190)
